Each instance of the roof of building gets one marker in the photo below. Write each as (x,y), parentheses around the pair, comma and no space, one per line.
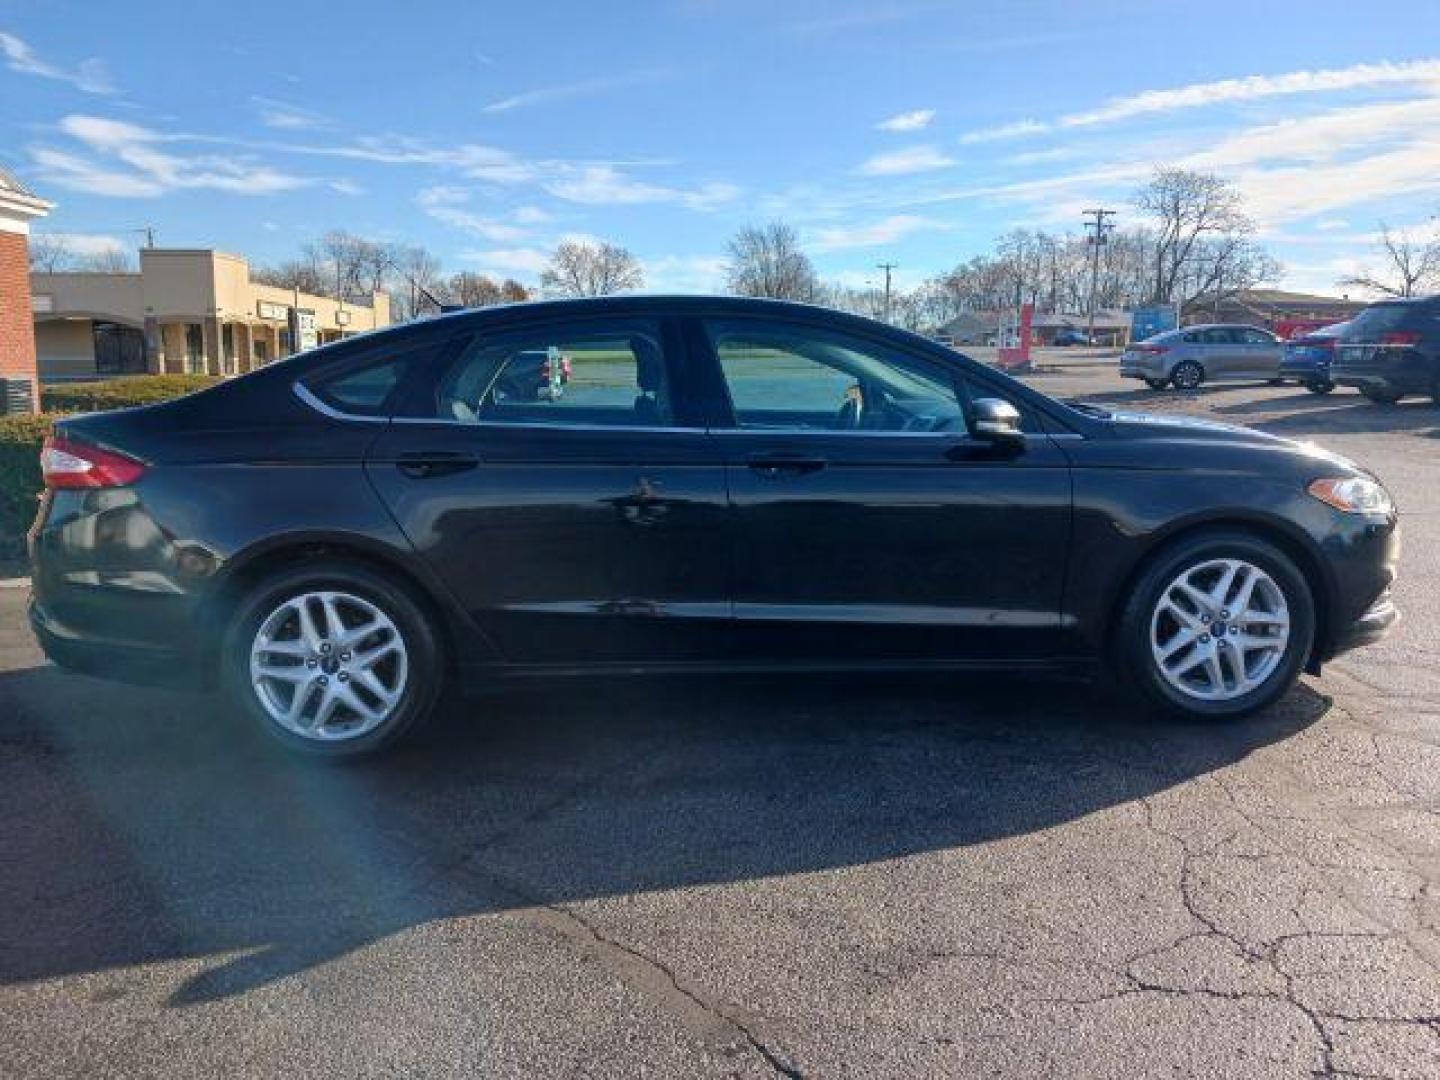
(11,183)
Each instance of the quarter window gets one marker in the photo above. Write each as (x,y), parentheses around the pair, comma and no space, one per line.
(786,377)
(613,376)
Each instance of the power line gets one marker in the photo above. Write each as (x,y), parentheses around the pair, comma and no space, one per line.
(1095,239)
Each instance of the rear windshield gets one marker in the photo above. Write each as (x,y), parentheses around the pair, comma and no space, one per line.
(1371,323)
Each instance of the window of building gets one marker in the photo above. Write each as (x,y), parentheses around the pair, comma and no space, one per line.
(119,350)
(194,349)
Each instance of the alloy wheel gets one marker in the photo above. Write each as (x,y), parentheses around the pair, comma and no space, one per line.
(329,666)
(1219,630)
(1187,375)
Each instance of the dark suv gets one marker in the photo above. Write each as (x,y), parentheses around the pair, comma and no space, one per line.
(1392,349)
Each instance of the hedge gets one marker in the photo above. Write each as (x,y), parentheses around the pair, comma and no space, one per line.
(20,439)
(120,393)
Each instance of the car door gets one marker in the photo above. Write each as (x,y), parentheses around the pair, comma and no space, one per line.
(1225,356)
(867,524)
(1262,353)
(552,478)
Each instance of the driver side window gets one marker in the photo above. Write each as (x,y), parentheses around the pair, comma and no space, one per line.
(787,377)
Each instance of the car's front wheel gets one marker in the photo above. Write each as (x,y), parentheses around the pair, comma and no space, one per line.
(333,660)
(1319,386)
(1219,625)
(1187,375)
(1382,397)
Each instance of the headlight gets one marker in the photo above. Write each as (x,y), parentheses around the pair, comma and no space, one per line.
(1353,494)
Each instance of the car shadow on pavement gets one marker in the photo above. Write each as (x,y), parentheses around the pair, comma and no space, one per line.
(1335,413)
(145,826)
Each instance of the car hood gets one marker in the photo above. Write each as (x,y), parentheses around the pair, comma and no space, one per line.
(1171,428)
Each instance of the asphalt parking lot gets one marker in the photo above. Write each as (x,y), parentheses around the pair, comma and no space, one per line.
(751,877)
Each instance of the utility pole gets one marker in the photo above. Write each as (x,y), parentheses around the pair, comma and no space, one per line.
(1100,228)
(887,267)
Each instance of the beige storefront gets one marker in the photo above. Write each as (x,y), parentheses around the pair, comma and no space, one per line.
(186,310)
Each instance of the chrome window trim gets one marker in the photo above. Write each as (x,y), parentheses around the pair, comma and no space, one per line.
(305,394)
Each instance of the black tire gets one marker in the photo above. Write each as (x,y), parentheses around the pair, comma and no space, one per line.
(1276,382)
(1319,386)
(1382,397)
(1135,668)
(426,669)
(1157,384)
(1187,375)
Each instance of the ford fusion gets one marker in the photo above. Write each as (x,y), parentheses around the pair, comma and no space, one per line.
(723,484)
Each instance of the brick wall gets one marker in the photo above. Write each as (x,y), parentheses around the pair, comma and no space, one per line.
(17,325)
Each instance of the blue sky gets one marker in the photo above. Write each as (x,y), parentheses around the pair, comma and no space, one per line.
(912,132)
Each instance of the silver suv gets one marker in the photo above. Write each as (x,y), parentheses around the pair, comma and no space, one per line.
(1196,354)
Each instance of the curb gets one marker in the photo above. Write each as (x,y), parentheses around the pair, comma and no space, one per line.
(15,583)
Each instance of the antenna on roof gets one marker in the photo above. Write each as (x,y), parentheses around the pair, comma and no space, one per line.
(415,286)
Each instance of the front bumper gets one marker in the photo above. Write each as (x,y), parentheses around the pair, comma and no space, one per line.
(1369,628)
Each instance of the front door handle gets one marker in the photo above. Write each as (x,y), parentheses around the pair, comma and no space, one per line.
(426,464)
(775,465)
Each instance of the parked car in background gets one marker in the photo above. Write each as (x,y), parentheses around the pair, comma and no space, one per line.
(1391,349)
(1307,357)
(734,484)
(1072,336)
(1193,355)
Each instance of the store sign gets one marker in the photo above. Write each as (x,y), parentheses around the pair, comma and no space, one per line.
(305,326)
(342,318)
(42,303)
(268,309)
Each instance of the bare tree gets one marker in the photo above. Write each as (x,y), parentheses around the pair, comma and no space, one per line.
(411,275)
(107,261)
(472,290)
(1410,267)
(512,292)
(767,261)
(1187,208)
(49,253)
(580,269)
(302,274)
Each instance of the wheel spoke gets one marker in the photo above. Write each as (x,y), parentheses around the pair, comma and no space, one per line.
(357,634)
(1234,659)
(1181,639)
(284,648)
(292,673)
(303,693)
(365,661)
(1221,592)
(334,625)
(308,631)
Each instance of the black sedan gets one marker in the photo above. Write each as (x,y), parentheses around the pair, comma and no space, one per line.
(724,484)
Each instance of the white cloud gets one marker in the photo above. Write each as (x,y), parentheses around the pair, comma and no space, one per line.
(441,195)
(886,231)
(502,262)
(487,228)
(346,187)
(1014,130)
(531,215)
(581,88)
(287,117)
(126,160)
(1252,87)
(684,274)
(91,75)
(910,160)
(605,185)
(908,121)
(1331,224)
(87,244)
(1224,91)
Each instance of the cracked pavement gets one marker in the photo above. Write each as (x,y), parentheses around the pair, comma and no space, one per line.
(751,877)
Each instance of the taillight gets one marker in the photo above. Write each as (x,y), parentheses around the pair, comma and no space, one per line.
(1400,337)
(65,463)
(1153,350)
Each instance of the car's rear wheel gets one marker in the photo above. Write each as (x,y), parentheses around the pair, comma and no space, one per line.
(1382,397)
(1319,386)
(1187,375)
(1217,626)
(1276,382)
(1157,384)
(333,660)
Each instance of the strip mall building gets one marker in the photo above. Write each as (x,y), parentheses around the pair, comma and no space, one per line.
(186,310)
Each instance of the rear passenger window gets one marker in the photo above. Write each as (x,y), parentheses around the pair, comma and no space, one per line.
(363,391)
(611,376)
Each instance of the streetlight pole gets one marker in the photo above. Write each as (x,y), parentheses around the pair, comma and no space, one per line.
(887,267)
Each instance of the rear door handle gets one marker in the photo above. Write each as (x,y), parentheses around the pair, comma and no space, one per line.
(773,466)
(425,464)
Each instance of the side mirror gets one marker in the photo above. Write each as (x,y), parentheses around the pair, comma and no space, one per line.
(995,421)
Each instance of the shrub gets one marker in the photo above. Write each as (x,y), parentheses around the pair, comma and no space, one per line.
(20,439)
(120,393)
